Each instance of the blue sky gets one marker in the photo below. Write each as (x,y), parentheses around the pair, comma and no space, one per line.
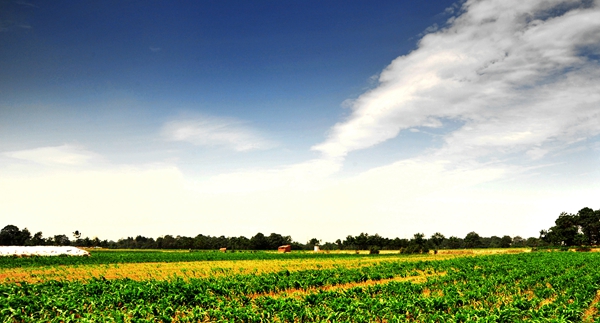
(311,119)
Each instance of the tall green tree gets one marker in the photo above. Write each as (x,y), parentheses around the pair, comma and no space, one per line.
(275,240)
(437,239)
(472,240)
(582,228)
(11,235)
(564,232)
(37,239)
(259,242)
(506,242)
(61,240)
(589,223)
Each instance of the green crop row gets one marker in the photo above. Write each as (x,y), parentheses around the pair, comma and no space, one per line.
(536,287)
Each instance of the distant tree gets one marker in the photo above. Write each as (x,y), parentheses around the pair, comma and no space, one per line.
(564,232)
(418,244)
(61,240)
(298,246)
(168,242)
(506,242)
(454,242)
(183,242)
(243,243)
(97,243)
(143,242)
(37,239)
(496,242)
(517,241)
(419,238)
(437,239)
(24,237)
(10,235)
(259,242)
(486,242)
(85,242)
(589,223)
(313,242)
(362,241)
(164,242)
(275,240)
(200,242)
(398,244)
(349,243)
(376,242)
(472,240)
(329,246)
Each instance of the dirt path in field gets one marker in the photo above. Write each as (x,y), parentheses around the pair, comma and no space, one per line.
(592,311)
(301,292)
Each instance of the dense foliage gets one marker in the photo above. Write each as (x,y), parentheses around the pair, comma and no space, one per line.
(548,286)
(579,229)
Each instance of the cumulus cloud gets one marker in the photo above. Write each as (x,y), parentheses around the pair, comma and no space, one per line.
(216,131)
(520,76)
(68,155)
(431,29)
(506,76)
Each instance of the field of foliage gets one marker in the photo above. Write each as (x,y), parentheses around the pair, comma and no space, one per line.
(297,287)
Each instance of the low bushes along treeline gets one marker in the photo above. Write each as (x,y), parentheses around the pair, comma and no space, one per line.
(579,229)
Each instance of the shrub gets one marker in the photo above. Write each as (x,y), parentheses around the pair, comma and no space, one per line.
(374,251)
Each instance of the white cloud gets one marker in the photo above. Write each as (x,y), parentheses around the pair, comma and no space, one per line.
(515,81)
(431,29)
(59,155)
(216,131)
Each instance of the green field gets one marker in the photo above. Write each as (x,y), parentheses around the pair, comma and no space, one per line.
(526,287)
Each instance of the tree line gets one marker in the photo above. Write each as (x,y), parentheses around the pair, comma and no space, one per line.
(582,228)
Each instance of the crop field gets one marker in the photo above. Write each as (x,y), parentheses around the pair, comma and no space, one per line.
(302,287)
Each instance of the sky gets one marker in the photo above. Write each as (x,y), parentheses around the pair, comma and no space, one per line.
(305,118)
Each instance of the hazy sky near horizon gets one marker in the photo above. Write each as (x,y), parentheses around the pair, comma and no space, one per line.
(304,118)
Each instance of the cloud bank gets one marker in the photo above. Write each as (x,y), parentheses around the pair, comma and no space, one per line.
(521,76)
(67,155)
(216,131)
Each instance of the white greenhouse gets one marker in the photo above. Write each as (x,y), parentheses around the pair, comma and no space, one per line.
(41,251)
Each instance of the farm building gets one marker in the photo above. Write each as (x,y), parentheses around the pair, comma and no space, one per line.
(285,248)
(41,251)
